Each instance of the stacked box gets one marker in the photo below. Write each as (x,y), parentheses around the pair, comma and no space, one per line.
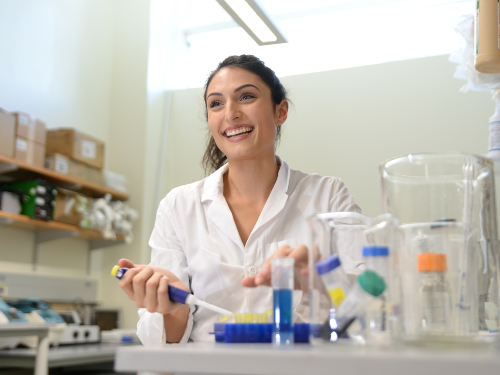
(61,164)
(30,139)
(76,146)
(8,133)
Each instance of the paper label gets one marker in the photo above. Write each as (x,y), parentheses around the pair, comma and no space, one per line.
(23,119)
(337,295)
(88,149)
(21,144)
(61,165)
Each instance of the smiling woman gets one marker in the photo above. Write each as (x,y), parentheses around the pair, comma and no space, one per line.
(216,237)
(240,66)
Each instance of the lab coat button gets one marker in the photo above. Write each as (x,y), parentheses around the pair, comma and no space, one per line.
(252,270)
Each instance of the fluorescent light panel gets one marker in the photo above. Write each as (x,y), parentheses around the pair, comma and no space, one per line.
(253,18)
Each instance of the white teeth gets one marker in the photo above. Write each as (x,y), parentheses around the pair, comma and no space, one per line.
(243,129)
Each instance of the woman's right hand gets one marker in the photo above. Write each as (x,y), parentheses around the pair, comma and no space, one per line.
(147,286)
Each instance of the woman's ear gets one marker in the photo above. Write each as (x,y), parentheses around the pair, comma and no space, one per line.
(281,112)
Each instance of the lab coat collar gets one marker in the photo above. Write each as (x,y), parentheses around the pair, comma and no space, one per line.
(221,215)
(214,184)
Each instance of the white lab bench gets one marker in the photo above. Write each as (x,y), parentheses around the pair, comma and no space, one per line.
(304,359)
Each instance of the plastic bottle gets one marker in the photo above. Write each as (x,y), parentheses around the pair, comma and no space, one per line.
(487,36)
(367,286)
(334,278)
(494,139)
(434,293)
(377,259)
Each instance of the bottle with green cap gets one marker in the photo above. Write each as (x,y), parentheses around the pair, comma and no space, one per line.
(368,286)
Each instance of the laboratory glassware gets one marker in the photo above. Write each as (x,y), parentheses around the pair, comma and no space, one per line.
(334,277)
(446,205)
(345,234)
(282,281)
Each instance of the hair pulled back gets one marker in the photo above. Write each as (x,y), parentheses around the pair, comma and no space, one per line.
(214,158)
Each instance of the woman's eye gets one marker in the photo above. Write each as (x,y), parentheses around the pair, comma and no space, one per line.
(247,96)
(215,103)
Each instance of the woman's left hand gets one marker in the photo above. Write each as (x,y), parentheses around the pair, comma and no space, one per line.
(300,255)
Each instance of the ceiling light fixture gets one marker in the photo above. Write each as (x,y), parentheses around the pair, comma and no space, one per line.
(254,19)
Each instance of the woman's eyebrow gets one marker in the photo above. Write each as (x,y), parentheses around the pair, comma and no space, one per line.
(236,90)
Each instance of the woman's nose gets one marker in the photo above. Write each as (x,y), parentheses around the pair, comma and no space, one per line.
(232,111)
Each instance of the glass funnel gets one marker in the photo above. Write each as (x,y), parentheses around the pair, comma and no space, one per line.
(335,261)
(446,207)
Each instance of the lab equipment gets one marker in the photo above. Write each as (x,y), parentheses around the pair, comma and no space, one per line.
(9,314)
(334,277)
(434,293)
(255,332)
(368,285)
(344,234)
(37,311)
(377,259)
(39,198)
(282,280)
(446,205)
(177,294)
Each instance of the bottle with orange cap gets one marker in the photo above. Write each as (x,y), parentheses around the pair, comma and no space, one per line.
(434,293)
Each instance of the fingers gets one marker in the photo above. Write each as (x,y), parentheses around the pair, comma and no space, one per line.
(151,298)
(126,282)
(139,285)
(126,263)
(299,253)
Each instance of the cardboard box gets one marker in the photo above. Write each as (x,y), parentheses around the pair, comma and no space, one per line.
(95,176)
(69,207)
(31,128)
(61,164)
(7,133)
(77,146)
(29,151)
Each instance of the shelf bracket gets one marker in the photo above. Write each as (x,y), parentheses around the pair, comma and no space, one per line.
(45,236)
(6,167)
(99,244)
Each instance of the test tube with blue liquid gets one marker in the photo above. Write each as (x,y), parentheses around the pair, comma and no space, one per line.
(282,280)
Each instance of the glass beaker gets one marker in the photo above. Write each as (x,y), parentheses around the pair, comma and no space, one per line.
(446,205)
(341,236)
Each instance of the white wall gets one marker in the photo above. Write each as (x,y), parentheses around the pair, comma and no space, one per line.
(345,122)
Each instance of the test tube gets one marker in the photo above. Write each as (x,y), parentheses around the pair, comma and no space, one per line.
(282,280)
(367,286)
(334,278)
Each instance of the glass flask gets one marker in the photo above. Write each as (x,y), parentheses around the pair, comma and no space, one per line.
(345,234)
(446,205)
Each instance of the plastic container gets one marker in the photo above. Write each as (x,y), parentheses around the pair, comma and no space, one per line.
(434,294)
(376,317)
(282,280)
(487,36)
(334,278)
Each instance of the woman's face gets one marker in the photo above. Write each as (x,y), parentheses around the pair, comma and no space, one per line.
(241,114)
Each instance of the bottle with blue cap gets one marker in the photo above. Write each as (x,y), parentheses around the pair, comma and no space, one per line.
(334,277)
(377,259)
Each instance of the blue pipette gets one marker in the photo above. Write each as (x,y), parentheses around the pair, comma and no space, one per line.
(177,294)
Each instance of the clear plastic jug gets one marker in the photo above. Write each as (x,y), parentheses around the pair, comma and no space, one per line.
(448,246)
(339,237)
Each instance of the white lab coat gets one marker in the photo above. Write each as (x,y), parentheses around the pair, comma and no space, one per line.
(195,237)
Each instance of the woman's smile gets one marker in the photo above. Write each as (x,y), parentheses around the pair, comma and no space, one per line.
(238,133)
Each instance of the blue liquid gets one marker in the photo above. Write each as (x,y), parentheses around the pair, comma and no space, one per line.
(283,314)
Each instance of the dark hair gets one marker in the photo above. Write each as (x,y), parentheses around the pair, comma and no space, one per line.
(214,158)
